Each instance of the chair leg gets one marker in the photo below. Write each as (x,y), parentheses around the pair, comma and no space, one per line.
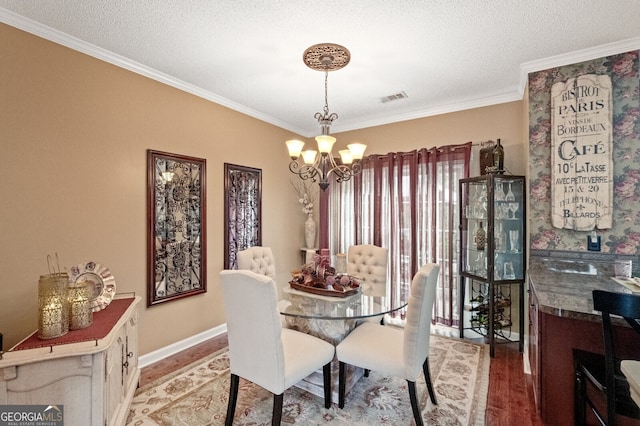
(276,417)
(427,378)
(341,384)
(326,374)
(233,398)
(417,416)
(579,403)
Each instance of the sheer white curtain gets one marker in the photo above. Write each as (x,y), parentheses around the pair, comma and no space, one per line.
(406,202)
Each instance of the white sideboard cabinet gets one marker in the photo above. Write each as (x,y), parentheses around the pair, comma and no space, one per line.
(95,380)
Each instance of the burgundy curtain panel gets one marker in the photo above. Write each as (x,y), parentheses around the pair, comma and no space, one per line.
(408,203)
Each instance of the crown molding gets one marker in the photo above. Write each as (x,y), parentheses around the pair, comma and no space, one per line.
(575,57)
(429,112)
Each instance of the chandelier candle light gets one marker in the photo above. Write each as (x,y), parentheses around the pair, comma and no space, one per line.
(325,57)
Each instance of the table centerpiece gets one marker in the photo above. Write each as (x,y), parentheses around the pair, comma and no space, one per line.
(320,278)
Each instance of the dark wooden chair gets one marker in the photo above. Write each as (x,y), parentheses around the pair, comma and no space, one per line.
(602,372)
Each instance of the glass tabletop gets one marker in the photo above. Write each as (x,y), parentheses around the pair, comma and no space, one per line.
(307,305)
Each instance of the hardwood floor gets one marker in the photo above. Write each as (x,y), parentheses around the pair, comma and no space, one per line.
(174,362)
(510,400)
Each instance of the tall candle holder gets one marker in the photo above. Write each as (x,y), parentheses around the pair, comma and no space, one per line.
(53,307)
(80,311)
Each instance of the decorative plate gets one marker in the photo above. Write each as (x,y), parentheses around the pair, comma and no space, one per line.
(101,280)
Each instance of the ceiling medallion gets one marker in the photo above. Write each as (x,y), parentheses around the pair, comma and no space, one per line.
(326,57)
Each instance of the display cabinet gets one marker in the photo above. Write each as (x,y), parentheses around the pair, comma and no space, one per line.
(492,257)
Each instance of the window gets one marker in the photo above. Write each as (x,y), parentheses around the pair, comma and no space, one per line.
(406,202)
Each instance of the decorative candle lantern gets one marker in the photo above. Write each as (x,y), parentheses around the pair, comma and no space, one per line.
(80,311)
(53,308)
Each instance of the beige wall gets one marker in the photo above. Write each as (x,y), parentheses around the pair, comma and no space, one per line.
(73,138)
(504,121)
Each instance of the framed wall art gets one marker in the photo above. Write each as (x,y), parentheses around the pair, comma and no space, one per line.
(176,242)
(242,210)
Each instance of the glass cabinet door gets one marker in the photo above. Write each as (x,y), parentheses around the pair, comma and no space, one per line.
(474,240)
(508,229)
(492,227)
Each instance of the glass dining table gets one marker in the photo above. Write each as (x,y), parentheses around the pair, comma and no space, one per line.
(332,319)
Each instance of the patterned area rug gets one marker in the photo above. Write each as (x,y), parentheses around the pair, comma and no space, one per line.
(197,395)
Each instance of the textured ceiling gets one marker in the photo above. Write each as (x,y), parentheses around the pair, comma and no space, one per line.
(446,55)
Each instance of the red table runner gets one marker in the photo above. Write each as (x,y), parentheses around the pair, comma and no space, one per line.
(103,322)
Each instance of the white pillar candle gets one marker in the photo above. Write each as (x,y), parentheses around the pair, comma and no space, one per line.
(309,256)
(341,263)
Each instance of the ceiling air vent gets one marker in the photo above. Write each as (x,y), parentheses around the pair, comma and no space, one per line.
(394,97)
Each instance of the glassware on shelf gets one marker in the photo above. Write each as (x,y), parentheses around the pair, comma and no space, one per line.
(470,207)
(480,202)
(480,266)
(509,273)
(502,211)
(514,235)
(474,209)
(500,195)
(510,196)
(513,207)
(498,238)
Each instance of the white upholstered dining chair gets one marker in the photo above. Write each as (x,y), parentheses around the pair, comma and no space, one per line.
(259,259)
(260,350)
(369,263)
(393,351)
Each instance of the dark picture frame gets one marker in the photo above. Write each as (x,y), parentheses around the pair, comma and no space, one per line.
(242,210)
(176,227)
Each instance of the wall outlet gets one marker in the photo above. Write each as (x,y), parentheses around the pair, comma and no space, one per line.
(593,243)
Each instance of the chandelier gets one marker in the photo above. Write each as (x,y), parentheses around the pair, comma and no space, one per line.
(325,57)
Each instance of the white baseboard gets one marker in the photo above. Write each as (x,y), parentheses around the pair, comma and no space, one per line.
(174,348)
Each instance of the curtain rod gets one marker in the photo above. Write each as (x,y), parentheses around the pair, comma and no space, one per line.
(451,148)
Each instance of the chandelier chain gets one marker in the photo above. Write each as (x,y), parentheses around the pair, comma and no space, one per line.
(326,91)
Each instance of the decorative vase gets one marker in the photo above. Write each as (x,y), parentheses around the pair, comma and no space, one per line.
(310,231)
(480,237)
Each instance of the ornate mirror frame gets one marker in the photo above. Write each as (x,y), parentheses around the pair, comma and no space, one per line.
(242,210)
(176,231)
